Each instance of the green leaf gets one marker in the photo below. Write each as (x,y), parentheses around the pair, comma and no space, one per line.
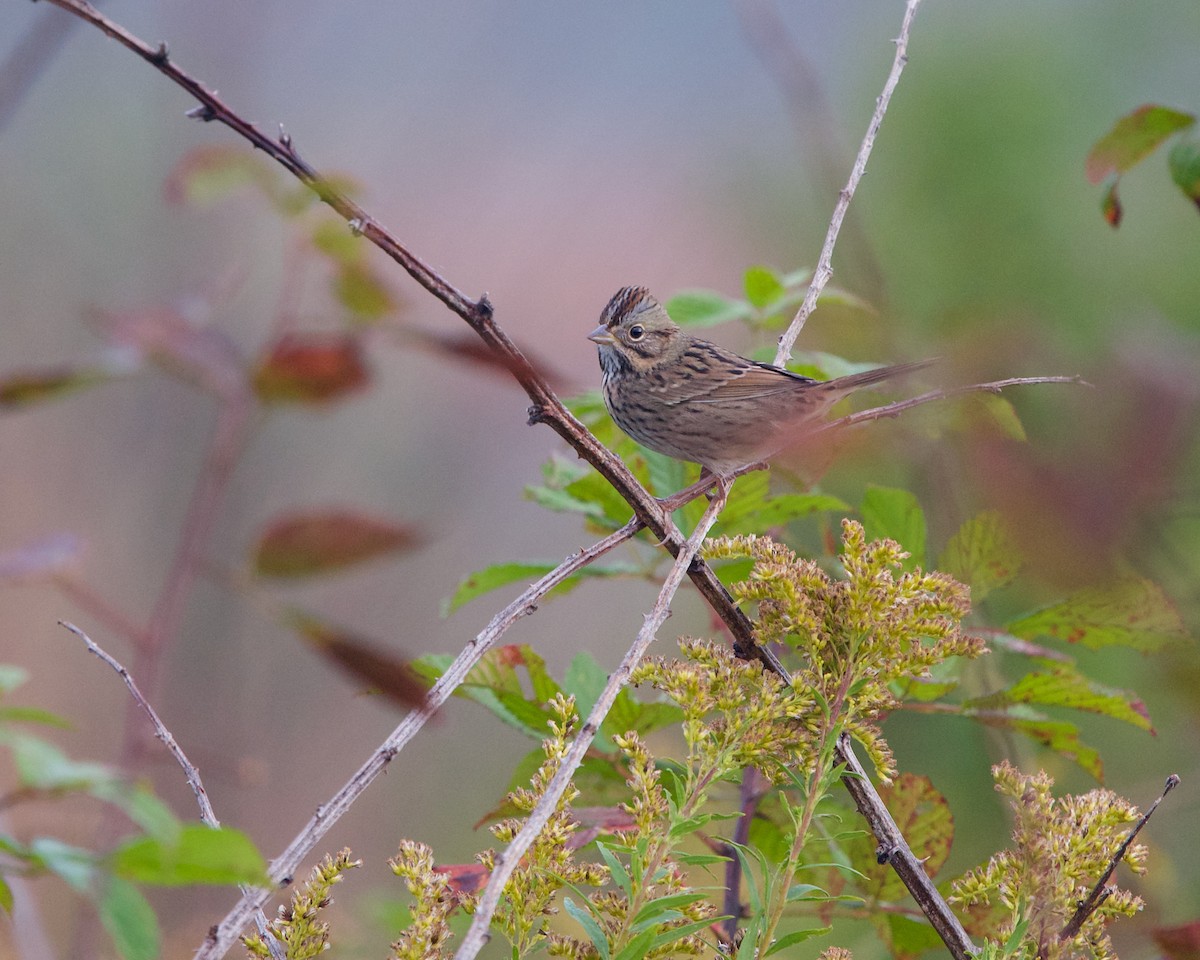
(1059,736)
(141,806)
(129,920)
(201,855)
(491,578)
(33,715)
(584,679)
(793,938)
(805,892)
(779,510)
(44,767)
(911,937)
(206,175)
(982,554)
(629,713)
(11,677)
(897,515)
(74,865)
(590,926)
(1184,163)
(616,869)
(6,896)
(363,292)
(562,502)
(674,934)
(638,947)
(699,859)
(1130,611)
(655,908)
(763,287)
(705,308)
(1132,138)
(1065,687)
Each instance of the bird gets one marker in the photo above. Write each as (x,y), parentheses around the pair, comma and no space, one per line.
(694,400)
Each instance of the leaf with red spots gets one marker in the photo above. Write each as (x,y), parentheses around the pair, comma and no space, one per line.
(982,554)
(1130,611)
(307,544)
(1065,687)
(311,368)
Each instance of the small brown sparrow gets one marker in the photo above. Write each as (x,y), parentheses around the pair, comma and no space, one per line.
(693,400)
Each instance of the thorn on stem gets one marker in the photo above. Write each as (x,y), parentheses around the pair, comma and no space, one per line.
(484,305)
(204,113)
(357,226)
(161,55)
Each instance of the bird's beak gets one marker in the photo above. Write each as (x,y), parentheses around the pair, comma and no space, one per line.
(602,336)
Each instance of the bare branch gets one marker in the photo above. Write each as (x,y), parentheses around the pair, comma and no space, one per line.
(190,771)
(477,935)
(894,849)
(283,867)
(824,268)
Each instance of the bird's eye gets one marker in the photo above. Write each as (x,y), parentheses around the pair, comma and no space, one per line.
(636,332)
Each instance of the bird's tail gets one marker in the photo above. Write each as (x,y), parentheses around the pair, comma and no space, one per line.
(856,381)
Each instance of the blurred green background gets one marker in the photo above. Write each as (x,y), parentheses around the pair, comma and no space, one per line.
(549,154)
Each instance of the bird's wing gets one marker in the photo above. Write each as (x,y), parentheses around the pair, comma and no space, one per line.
(724,378)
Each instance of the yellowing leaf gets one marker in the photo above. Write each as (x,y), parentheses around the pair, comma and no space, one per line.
(361,291)
(304,545)
(1131,612)
(209,174)
(982,554)
(1065,687)
(1132,138)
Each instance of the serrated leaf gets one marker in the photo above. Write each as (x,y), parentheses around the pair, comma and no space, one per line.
(982,554)
(925,821)
(705,308)
(1132,138)
(763,287)
(305,544)
(560,501)
(1184,163)
(1131,611)
(1065,687)
(310,368)
(201,855)
(897,515)
(1059,736)
(129,920)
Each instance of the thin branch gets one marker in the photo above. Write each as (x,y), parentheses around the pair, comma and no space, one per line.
(283,867)
(750,793)
(824,268)
(1100,892)
(894,849)
(477,935)
(190,771)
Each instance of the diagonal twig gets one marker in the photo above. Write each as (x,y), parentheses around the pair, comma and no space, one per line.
(190,771)
(283,867)
(1100,892)
(824,268)
(508,861)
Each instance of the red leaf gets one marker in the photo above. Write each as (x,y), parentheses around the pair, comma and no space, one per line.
(381,670)
(1180,943)
(465,877)
(303,545)
(311,368)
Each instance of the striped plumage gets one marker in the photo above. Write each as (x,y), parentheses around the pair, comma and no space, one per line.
(693,400)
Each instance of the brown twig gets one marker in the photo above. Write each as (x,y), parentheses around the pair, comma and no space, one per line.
(284,866)
(477,935)
(1100,892)
(824,268)
(894,849)
(749,794)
